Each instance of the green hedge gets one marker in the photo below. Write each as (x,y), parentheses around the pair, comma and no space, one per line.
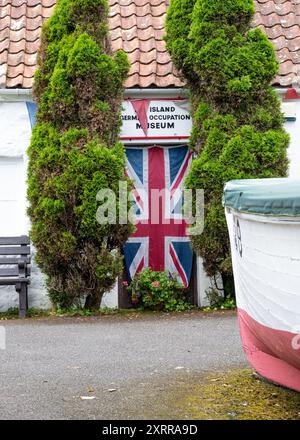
(74,153)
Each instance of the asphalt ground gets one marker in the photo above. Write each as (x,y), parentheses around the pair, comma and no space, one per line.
(114,367)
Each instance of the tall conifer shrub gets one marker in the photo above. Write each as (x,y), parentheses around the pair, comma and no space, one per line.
(75,152)
(237,122)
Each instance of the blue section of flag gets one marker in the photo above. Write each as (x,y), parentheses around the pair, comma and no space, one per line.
(185,256)
(32,110)
(135,158)
(130,251)
(176,158)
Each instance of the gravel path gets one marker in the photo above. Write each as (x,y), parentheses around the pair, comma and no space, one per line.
(125,363)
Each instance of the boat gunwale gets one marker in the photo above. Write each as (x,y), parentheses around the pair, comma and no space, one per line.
(264,218)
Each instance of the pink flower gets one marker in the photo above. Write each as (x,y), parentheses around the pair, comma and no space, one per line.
(155,284)
(125,283)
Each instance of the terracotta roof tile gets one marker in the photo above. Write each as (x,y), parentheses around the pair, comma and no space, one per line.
(27,83)
(280,20)
(3,61)
(133,80)
(14,82)
(141,11)
(35,11)
(137,26)
(17,12)
(4,45)
(17,70)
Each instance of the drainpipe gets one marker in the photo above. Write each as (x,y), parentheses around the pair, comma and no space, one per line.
(13,95)
(9,95)
(156,93)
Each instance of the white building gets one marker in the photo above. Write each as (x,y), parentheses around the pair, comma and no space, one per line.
(137,26)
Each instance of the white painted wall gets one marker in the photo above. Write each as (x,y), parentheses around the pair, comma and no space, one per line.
(15,133)
(12,196)
(205,284)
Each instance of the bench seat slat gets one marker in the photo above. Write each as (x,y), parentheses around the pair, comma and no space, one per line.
(24,239)
(13,281)
(14,260)
(9,272)
(15,250)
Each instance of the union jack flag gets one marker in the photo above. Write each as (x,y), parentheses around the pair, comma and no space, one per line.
(160,240)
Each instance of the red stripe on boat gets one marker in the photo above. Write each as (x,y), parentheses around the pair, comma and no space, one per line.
(271,351)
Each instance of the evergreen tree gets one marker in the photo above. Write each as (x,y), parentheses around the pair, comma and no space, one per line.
(237,121)
(75,152)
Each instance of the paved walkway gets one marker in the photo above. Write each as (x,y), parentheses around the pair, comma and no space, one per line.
(124,363)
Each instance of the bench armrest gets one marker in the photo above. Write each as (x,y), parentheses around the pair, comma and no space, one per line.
(22,265)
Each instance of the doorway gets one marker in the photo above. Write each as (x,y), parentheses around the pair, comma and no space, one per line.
(160,240)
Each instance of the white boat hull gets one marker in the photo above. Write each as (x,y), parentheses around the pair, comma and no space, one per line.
(266,265)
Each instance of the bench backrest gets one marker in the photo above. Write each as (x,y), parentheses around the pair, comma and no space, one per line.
(13,252)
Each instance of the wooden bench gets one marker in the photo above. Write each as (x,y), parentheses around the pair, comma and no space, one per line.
(15,253)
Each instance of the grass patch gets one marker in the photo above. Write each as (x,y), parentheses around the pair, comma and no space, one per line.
(32,313)
(218,302)
(13,313)
(236,395)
